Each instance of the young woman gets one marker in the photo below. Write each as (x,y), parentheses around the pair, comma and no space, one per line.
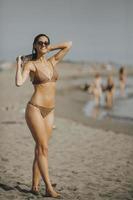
(39,113)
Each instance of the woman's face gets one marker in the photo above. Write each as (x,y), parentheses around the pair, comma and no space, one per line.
(41,45)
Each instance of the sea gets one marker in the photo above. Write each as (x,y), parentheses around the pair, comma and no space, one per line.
(122,108)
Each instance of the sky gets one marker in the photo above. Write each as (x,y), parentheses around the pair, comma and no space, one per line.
(101,30)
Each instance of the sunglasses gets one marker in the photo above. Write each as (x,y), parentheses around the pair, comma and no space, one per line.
(43,43)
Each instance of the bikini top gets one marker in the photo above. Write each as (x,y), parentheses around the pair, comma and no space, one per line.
(40,77)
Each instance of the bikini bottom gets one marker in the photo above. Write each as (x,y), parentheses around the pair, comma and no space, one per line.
(43,110)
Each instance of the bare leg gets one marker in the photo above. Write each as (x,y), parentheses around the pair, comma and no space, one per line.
(38,129)
(109,100)
(122,88)
(48,121)
(36,175)
(42,160)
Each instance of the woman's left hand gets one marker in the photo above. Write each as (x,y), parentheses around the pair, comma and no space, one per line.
(19,60)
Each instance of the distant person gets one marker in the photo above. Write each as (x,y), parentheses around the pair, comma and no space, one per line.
(110,92)
(39,113)
(96,89)
(122,79)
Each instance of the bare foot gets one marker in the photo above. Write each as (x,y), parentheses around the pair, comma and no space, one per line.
(35,190)
(52,193)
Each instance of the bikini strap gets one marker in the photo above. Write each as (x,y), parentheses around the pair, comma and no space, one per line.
(54,69)
(51,64)
(34,65)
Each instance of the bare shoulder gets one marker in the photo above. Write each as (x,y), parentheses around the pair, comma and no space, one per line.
(29,66)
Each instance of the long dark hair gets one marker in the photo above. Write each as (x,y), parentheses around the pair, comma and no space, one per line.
(34,51)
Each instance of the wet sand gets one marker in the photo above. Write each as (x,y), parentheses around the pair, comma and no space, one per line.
(87,163)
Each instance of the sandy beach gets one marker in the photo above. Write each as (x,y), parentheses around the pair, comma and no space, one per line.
(88,159)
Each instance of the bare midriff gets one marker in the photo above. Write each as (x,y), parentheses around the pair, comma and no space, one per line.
(44,94)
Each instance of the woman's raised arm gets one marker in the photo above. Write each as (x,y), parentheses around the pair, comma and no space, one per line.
(22,74)
(63,47)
